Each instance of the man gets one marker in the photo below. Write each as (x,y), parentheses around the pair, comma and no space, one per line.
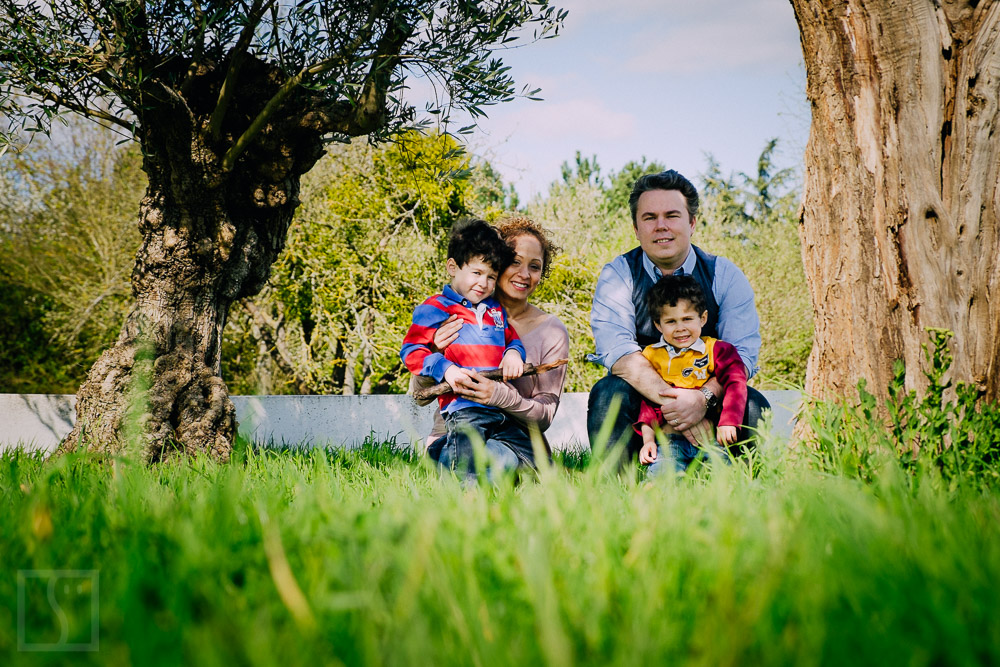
(664,207)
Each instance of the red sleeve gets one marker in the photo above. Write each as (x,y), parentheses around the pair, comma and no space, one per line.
(416,350)
(649,415)
(732,375)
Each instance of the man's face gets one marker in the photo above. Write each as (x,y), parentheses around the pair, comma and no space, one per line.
(663,227)
(474,280)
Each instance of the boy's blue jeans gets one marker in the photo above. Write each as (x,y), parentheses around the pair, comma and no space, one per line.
(507,443)
(679,454)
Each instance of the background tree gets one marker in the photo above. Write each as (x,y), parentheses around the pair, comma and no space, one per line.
(582,171)
(753,201)
(899,221)
(620,182)
(366,245)
(65,225)
(67,244)
(231,105)
(753,220)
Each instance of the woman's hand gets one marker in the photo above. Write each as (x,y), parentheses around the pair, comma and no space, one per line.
(475,387)
(446,333)
(456,376)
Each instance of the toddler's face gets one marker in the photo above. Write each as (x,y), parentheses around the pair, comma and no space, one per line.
(474,280)
(681,324)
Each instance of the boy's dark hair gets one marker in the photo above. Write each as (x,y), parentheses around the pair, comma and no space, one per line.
(472,237)
(668,290)
(664,180)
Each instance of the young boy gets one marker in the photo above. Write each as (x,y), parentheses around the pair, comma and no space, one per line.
(476,256)
(684,359)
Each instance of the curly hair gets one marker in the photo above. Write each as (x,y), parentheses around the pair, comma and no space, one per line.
(668,290)
(472,238)
(512,227)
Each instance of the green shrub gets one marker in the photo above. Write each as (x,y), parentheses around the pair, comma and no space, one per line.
(943,438)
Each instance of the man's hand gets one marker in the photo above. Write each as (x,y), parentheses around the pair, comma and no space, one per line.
(701,434)
(446,334)
(682,408)
(512,365)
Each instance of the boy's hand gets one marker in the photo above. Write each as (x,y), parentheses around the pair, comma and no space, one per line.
(648,453)
(726,435)
(512,365)
(455,375)
(446,334)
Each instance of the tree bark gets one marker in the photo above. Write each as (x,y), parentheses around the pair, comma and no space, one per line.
(210,237)
(899,215)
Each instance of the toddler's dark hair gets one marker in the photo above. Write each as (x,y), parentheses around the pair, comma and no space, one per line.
(668,290)
(472,237)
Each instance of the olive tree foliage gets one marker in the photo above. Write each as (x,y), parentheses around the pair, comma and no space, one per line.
(231,103)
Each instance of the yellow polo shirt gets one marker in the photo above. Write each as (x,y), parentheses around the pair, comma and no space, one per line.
(688,368)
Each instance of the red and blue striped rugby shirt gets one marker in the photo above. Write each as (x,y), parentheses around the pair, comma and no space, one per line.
(482,341)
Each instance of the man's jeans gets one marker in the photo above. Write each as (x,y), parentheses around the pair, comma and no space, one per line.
(508,445)
(679,454)
(612,389)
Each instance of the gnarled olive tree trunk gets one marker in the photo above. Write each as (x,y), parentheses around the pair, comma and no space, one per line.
(210,236)
(899,221)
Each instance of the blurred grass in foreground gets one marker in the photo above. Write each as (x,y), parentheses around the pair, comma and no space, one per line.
(370,557)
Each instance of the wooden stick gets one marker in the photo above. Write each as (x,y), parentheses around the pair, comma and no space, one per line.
(493,374)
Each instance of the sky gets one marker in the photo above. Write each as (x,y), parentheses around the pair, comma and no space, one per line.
(669,80)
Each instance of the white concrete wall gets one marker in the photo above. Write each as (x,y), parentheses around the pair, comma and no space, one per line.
(39,421)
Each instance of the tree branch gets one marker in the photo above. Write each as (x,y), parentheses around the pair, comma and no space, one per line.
(443,388)
(357,118)
(269,330)
(81,109)
(236,58)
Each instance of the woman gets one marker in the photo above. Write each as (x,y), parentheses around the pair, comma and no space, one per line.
(533,399)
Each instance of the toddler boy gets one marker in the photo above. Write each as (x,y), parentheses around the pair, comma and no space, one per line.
(684,359)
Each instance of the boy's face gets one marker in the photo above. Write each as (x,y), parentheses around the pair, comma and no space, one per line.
(474,280)
(681,324)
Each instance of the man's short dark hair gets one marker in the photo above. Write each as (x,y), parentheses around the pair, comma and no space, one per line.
(669,290)
(664,180)
(472,238)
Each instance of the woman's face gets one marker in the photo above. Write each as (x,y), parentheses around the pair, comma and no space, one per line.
(522,277)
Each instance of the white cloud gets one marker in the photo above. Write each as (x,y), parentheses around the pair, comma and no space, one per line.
(581,119)
(529,142)
(681,36)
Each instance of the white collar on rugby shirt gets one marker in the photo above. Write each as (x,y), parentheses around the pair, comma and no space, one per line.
(698,346)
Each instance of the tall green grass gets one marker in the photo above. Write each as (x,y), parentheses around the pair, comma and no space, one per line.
(370,557)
